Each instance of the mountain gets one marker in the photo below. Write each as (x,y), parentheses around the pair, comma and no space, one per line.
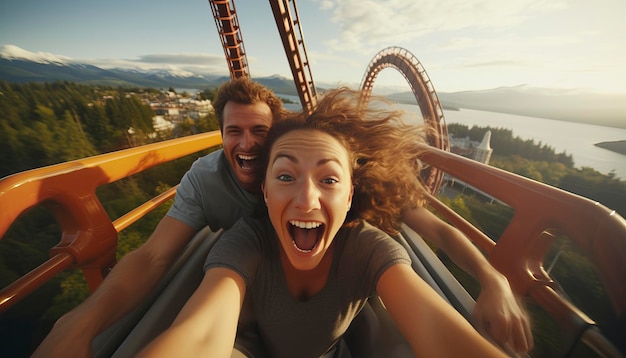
(20,66)
(22,71)
(561,104)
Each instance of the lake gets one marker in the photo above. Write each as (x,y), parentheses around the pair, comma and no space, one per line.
(574,138)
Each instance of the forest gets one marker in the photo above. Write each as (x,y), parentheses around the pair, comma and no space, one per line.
(44,124)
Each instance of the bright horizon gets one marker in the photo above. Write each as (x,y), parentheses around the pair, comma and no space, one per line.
(463,46)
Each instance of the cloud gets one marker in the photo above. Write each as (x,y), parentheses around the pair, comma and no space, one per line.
(182,59)
(183,62)
(497,63)
(367,23)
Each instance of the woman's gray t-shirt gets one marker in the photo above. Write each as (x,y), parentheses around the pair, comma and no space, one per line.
(292,328)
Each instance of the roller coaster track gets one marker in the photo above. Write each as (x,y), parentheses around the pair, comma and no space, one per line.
(415,74)
(229,31)
(423,90)
(288,23)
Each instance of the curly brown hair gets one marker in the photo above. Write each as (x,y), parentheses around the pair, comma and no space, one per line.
(245,91)
(384,153)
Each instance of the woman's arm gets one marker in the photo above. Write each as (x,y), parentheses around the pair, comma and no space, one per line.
(207,324)
(431,326)
(497,312)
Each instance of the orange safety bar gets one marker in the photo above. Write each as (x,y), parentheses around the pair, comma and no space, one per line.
(89,237)
(68,190)
(541,211)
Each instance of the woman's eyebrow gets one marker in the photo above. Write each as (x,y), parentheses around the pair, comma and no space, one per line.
(285,155)
(295,160)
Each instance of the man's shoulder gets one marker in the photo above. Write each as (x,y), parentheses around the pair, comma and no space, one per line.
(209,171)
(213,162)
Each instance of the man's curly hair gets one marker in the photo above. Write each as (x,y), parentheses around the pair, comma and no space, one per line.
(245,91)
(384,153)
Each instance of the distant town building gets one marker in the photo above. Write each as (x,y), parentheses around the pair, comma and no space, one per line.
(160,124)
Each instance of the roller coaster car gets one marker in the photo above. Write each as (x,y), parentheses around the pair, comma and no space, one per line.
(378,337)
(89,239)
(366,337)
(374,337)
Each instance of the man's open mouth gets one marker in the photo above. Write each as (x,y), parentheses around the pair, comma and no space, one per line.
(305,234)
(246,161)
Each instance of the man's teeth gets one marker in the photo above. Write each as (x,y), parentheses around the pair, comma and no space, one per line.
(246,157)
(305,224)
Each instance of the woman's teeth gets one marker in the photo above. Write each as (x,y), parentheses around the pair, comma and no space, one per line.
(305,224)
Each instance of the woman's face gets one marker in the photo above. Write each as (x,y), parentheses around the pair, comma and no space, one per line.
(308,192)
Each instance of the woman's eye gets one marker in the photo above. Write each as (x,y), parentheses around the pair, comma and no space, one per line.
(285,177)
(330,181)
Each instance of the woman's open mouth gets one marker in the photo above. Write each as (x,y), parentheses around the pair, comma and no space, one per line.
(305,235)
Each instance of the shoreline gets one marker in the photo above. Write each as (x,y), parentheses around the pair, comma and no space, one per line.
(618,146)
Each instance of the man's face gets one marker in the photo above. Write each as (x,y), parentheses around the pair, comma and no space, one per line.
(245,128)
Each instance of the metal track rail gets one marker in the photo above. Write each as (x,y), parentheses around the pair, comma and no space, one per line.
(286,16)
(229,31)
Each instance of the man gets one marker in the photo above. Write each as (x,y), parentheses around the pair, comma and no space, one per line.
(218,190)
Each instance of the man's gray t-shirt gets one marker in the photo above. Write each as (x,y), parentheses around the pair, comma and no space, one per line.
(293,328)
(209,194)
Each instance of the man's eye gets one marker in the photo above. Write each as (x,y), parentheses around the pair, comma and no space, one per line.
(285,177)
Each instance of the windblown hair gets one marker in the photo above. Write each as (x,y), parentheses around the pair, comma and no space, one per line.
(384,153)
(245,91)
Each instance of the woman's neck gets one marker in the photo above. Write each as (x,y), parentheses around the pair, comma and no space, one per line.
(304,284)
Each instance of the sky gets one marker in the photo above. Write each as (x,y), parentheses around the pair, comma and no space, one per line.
(463,45)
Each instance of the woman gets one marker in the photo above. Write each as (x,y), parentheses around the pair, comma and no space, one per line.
(311,263)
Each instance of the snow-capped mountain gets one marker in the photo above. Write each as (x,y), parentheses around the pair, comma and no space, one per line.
(12,52)
(20,66)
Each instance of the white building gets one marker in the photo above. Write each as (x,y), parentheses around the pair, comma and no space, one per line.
(482,153)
